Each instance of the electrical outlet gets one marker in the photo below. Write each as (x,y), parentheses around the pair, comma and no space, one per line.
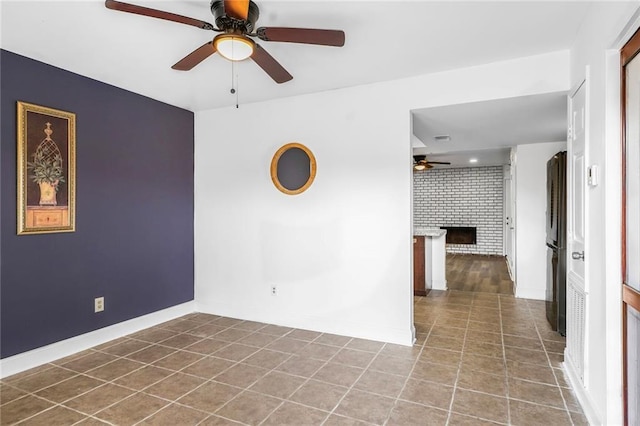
(274,290)
(99,304)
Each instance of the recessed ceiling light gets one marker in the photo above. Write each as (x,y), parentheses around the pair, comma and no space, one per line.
(473,160)
(442,138)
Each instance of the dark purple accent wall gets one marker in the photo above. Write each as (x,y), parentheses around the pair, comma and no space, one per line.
(134,211)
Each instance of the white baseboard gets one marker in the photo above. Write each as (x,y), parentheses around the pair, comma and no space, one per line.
(438,285)
(33,358)
(530,293)
(581,393)
(320,324)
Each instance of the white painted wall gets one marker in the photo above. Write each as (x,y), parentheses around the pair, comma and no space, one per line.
(595,49)
(336,268)
(530,169)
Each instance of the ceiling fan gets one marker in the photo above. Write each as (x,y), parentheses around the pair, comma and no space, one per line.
(235,21)
(420,163)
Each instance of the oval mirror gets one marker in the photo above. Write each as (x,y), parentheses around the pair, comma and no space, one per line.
(293,168)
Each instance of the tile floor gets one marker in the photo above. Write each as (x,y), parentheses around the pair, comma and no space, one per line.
(479,359)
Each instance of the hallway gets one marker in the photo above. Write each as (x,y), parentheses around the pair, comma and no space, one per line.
(473,272)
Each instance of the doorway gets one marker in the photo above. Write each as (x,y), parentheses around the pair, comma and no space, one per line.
(630,62)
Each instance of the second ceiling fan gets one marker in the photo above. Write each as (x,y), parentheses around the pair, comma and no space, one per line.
(420,163)
(235,21)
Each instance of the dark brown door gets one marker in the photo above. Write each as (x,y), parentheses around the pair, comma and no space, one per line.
(418,267)
(630,61)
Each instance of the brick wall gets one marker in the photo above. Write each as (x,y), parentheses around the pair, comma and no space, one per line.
(470,196)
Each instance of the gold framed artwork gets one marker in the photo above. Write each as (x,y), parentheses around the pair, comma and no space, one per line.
(46,170)
(293,168)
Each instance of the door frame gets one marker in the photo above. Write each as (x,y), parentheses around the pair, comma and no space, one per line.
(630,297)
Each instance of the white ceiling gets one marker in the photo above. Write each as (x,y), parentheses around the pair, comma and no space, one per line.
(486,130)
(384,40)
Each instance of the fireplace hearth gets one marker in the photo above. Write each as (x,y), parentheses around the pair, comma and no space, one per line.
(460,234)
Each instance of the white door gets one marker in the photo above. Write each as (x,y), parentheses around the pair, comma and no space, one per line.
(509,226)
(576,220)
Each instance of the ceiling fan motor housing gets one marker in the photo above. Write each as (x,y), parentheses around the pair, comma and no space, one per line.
(230,24)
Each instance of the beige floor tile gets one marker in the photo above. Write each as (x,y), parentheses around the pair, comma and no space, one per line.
(295,415)
(287,345)
(318,351)
(531,372)
(336,420)
(435,373)
(266,358)
(42,379)
(115,369)
(276,330)
(231,335)
(485,349)
(441,356)
(355,358)
(181,341)
(22,408)
(174,386)
(523,413)
(320,395)
(338,374)
(153,335)
(241,375)
(235,352)
(218,421)
(227,322)
(69,388)
(483,363)
(381,383)
(400,351)
(175,415)
(579,419)
(178,360)
(522,342)
(9,393)
(306,335)
(461,420)
(55,416)
(427,393)
(485,406)
(89,362)
(144,377)
(482,382)
(392,365)
(99,398)
(365,406)
(280,385)
(90,421)
(536,393)
(208,367)
(443,342)
(132,409)
(258,339)
(571,400)
(249,407)
(206,330)
(250,325)
(151,354)
(301,366)
(365,345)
(210,396)
(405,413)
(333,340)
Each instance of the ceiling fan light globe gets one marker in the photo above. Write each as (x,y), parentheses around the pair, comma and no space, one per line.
(419,167)
(234,47)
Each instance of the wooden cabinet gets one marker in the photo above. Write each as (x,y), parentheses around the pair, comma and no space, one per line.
(419,272)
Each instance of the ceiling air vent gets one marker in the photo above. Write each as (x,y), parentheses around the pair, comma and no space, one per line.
(442,138)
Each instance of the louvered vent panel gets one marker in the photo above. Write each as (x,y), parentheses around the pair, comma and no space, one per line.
(576,306)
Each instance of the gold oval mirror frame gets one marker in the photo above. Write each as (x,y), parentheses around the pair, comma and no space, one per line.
(293,168)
